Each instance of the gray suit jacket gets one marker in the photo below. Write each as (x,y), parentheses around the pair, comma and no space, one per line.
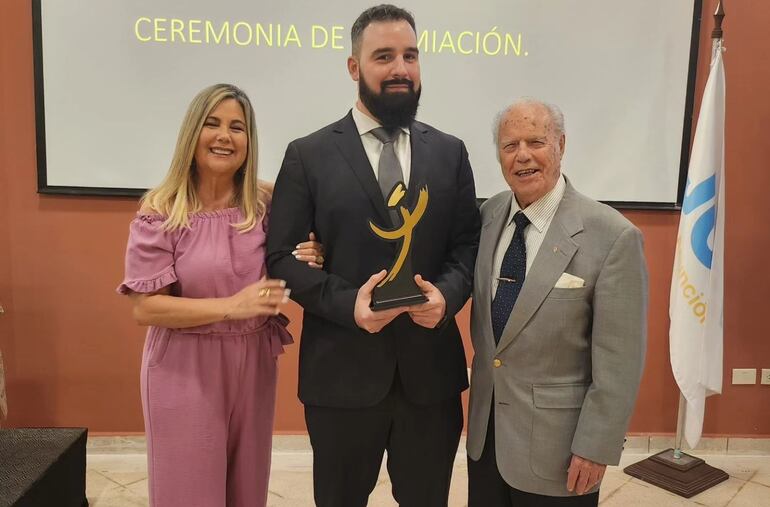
(566,371)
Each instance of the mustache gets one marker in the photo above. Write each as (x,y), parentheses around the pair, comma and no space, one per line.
(397,82)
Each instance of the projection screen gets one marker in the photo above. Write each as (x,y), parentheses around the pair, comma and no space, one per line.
(113,80)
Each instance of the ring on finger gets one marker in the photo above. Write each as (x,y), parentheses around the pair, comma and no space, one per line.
(319,259)
(264,292)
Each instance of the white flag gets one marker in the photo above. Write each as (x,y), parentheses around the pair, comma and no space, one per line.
(697,282)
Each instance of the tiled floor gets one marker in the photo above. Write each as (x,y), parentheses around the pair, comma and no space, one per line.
(120,480)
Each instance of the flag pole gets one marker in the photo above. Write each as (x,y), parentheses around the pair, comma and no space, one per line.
(716,38)
(719,16)
(672,469)
(679,426)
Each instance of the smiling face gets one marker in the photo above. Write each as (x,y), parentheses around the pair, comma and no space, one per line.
(530,152)
(223,141)
(387,69)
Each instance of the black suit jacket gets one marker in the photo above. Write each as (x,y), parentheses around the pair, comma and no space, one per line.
(327,185)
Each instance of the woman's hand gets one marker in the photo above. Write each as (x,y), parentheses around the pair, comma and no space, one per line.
(266,297)
(311,252)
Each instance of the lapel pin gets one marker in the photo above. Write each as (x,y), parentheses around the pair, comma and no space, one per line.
(555,249)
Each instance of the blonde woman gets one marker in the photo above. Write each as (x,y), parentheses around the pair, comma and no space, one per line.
(195,272)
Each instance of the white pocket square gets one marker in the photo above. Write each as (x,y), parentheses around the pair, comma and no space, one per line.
(567,281)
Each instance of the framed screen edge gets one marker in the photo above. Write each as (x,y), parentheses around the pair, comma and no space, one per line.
(42,169)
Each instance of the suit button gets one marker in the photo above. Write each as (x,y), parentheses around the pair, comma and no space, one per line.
(497,363)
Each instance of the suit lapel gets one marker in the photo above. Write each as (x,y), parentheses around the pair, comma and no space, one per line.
(554,255)
(490,237)
(418,137)
(349,142)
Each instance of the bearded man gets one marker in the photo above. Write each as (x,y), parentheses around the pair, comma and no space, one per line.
(378,380)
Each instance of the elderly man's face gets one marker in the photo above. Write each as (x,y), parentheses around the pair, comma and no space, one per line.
(530,152)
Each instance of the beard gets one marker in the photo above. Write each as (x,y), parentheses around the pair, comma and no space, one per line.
(392,109)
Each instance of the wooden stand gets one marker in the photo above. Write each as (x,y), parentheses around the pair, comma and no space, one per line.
(686,476)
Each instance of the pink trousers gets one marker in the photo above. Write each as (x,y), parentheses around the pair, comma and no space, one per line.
(209,402)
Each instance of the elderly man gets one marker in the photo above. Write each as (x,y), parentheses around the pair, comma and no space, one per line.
(558,327)
(386,380)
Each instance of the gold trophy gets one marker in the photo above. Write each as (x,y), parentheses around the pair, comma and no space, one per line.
(398,288)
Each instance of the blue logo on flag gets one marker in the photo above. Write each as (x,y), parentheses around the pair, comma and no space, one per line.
(701,194)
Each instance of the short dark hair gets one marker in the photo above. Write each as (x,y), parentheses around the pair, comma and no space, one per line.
(378,13)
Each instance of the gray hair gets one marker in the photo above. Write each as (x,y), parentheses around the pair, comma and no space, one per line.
(557,118)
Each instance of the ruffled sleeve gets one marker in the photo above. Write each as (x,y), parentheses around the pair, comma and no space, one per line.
(149,256)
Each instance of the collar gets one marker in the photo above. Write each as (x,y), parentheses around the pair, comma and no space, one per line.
(541,211)
(366,124)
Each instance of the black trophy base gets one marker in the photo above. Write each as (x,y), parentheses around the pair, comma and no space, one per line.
(387,303)
(686,476)
(401,291)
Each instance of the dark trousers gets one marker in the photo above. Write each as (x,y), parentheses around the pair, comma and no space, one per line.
(348,446)
(487,488)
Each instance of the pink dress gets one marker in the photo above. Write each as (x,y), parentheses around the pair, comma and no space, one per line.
(208,392)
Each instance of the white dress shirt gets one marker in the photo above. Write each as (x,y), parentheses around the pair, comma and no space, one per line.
(540,213)
(373,146)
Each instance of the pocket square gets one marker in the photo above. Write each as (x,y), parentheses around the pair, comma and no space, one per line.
(567,281)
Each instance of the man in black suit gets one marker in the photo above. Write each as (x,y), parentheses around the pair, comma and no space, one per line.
(391,379)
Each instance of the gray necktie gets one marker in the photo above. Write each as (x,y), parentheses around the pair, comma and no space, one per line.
(389,169)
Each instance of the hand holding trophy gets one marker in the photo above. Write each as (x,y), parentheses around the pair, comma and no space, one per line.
(367,319)
(431,313)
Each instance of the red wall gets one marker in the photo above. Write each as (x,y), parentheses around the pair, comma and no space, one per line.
(72,352)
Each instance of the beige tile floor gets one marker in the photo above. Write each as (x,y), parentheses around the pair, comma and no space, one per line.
(120,480)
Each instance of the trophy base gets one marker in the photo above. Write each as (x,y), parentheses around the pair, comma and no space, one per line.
(386,303)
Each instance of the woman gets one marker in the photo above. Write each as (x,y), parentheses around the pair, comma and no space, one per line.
(195,271)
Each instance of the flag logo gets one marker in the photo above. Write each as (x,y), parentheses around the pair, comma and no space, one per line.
(703,227)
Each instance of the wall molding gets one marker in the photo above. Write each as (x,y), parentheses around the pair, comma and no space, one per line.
(635,444)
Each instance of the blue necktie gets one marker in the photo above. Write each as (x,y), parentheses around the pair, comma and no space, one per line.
(512,272)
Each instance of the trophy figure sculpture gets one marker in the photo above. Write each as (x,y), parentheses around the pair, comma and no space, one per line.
(399,288)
